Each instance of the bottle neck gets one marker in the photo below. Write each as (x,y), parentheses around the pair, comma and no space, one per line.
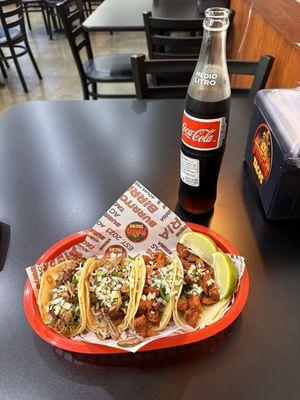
(213,49)
(210,81)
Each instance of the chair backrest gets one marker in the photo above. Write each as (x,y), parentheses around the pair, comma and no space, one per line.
(11,16)
(141,68)
(72,16)
(204,4)
(173,38)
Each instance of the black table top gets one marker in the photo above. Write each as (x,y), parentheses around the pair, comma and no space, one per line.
(116,15)
(62,164)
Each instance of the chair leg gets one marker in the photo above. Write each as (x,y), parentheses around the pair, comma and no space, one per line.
(94,90)
(15,60)
(47,9)
(59,23)
(2,55)
(85,90)
(85,10)
(44,18)
(54,21)
(2,67)
(33,60)
(27,16)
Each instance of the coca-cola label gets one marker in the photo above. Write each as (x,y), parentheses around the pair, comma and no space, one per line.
(203,134)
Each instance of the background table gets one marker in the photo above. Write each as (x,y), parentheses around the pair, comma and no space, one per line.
(116,15)
(62,164)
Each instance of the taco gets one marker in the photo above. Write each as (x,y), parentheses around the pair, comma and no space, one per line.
(60,298)
(110,286)
(198,300)
(155,296)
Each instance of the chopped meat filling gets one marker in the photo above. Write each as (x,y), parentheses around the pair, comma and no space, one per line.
(140,325)
(148,314)
(66,275)
(199,286)
(115,314)
(63,306)
(109,287)
(191,308)
(153,317)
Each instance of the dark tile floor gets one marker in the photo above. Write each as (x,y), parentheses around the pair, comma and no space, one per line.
(60,77)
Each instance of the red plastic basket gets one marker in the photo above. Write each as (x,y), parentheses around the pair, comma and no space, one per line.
(50,336)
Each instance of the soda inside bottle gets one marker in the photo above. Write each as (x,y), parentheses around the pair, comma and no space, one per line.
(205,119)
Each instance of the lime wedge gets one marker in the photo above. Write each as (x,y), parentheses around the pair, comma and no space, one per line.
(226,275)
(199,244)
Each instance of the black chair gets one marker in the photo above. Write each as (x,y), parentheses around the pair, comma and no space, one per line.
(3,64)
(103,69)
(142,67)
(90,5)
(53,20)
(173,38)
(15,37)
(30,6)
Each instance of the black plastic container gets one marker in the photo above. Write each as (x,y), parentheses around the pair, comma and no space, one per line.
(273,151)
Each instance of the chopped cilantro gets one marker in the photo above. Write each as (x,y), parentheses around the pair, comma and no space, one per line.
(74,280)
(164,295)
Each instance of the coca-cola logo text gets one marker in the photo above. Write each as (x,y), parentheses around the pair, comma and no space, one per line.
(200,135)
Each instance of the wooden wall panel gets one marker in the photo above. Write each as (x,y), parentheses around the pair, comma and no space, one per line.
(252,36)
(284,15)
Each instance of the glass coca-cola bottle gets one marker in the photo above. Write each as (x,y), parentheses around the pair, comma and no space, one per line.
(205,119)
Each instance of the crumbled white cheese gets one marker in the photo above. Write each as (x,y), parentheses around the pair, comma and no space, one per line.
(196,290)
(56,310)
(57,300)
(195,271)
(107,282)
(58,303)
(163,278)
